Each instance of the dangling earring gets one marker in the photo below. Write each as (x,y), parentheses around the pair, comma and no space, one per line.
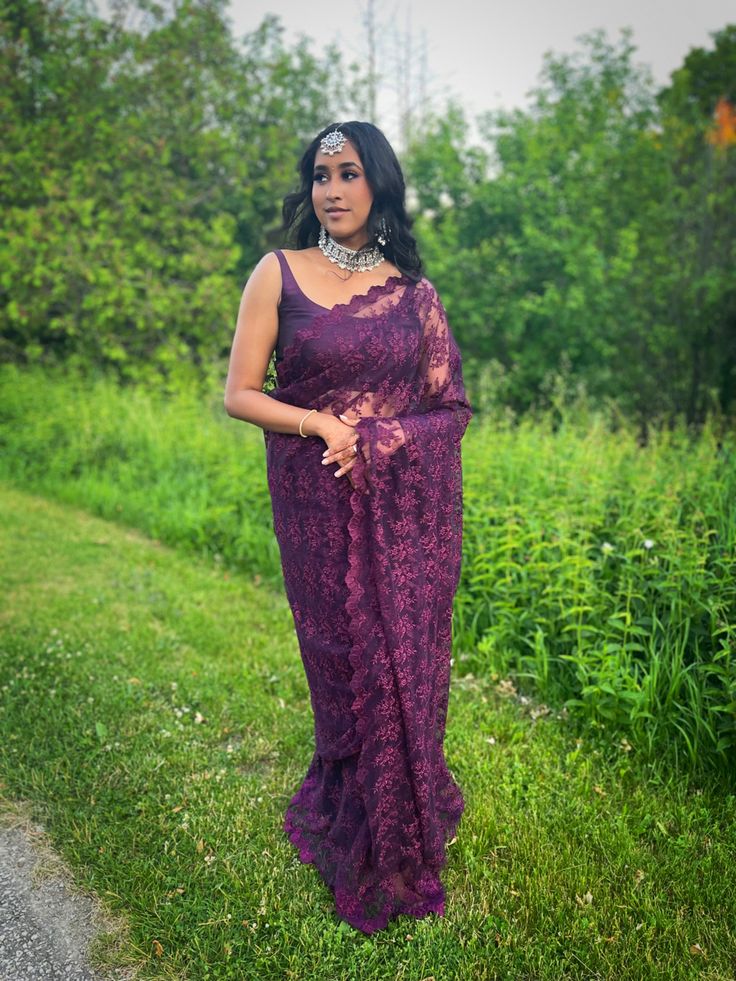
(383,232)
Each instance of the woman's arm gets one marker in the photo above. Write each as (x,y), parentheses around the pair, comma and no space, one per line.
(255,338)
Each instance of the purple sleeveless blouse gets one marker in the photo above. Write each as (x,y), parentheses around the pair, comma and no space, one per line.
(295,309)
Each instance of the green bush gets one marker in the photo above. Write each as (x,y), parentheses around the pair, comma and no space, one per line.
(602,573)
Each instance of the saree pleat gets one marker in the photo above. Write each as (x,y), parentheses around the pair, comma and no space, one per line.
(370,572)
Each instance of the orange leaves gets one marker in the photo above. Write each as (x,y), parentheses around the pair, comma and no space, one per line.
(723,133)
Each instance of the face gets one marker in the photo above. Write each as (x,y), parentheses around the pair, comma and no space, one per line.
(341,196)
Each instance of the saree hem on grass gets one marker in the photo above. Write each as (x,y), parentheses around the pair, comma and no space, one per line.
(370,571)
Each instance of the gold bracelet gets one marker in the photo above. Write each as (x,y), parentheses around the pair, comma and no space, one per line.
(300,424)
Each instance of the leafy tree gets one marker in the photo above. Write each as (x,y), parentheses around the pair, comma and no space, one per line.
(698,216)
(142,178)
(558,260)
(541,253)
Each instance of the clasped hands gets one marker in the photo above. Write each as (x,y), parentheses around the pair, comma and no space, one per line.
(341,440)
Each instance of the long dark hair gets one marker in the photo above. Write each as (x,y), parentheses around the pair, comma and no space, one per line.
(386,181)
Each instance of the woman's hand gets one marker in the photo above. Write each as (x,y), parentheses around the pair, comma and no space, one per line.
(341,446)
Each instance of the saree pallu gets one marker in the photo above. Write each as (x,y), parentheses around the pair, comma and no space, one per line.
(370,572)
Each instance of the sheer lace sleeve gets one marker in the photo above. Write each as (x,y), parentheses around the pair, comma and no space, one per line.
(441,413)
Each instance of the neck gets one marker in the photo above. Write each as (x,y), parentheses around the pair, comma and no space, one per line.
(354,242)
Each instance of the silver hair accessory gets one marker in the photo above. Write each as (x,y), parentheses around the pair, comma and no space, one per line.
(333,142)
(352,259)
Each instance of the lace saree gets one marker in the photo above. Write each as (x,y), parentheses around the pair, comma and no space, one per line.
(370,571)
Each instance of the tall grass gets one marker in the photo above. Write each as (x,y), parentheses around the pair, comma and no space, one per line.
(174,466)
(601,573)
(597,572)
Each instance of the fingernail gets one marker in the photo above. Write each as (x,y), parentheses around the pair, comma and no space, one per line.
(342,416)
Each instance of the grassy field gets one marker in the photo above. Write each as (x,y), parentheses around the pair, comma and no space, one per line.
(599,574)
(155,716)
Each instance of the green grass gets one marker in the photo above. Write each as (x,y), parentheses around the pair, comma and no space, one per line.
(599,574)
(155,715)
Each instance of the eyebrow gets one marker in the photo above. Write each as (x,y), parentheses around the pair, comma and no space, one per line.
(348,163)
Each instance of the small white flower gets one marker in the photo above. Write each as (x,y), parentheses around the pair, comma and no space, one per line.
(606,547)
(648,543)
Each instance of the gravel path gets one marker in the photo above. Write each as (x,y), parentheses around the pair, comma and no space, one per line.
(46,923)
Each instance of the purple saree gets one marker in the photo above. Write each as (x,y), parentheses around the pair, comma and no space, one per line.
(370,573)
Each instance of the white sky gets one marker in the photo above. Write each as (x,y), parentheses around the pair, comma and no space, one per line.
(489,54)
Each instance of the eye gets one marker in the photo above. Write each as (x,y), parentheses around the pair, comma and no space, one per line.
(317,177)
(350,173)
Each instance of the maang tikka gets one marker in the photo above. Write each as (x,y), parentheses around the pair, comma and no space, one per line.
(333,142)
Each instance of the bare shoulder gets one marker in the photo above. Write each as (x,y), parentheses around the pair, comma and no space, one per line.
(302,255)
(304,262)
(265,279)
(268,266)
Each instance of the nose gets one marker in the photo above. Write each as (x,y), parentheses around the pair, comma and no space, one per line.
(333,191)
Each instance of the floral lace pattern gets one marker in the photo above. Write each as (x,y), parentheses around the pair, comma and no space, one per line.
(370,572)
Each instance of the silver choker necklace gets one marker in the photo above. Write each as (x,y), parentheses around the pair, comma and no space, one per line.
(346,258)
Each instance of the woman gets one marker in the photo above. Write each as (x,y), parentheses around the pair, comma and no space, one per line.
(367,366)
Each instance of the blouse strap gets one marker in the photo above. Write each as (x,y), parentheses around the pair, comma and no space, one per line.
(288,283)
